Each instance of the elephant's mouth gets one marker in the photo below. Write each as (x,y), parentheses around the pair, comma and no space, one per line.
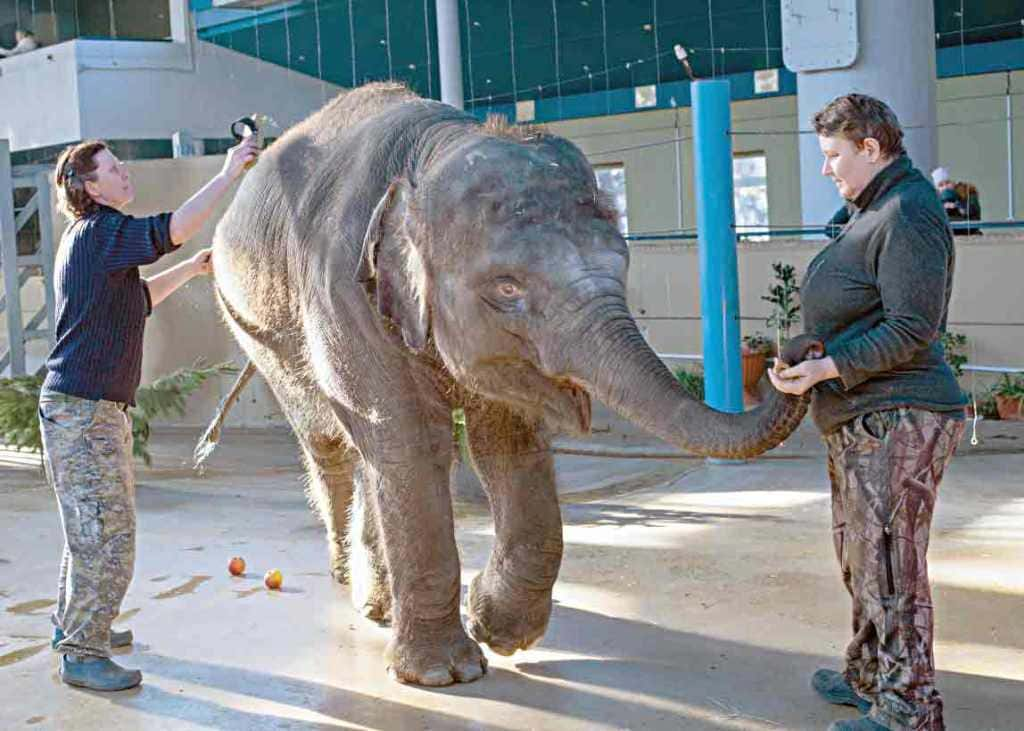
(578,406)
(561,402)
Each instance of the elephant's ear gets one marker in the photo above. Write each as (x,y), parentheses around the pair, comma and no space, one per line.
(391,269)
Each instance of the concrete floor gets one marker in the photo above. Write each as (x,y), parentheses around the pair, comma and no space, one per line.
(691,596)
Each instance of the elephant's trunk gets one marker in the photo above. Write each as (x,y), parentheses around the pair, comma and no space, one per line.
(618,367)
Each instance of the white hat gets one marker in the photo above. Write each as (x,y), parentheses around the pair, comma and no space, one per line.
(940,175)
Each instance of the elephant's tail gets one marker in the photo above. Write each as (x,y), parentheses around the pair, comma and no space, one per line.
(211,437)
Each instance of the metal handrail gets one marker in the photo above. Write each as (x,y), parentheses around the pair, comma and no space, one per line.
(966,367)
(791,231)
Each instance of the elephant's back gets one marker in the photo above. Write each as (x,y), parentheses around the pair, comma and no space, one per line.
(300,214)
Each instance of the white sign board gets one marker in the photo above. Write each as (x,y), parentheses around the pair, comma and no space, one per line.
(766,81)
(645,97)
(819,34)
(526,111)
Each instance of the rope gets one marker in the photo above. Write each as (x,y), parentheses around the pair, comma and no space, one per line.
(558,67)
(426,36)
(657,45)
(387,37)
(512,51)
(711,35)
(352,39)
(319,54)
(764,16)
(604,46)
(469,48)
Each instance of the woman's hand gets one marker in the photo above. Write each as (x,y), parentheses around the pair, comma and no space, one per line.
(801,377)
(202,262)
(239,156)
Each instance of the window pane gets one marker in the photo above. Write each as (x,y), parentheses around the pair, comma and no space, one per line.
(750,185)
(611,180)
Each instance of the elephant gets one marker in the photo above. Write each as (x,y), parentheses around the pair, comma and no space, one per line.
(392,258)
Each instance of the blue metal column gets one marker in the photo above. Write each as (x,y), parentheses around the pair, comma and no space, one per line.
(719,295)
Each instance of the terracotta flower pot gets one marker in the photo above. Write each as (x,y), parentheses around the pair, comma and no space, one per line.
(754,365)
(1011,409)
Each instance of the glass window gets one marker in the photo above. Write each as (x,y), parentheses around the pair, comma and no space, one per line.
(611,180)
(750,191)
(54,21)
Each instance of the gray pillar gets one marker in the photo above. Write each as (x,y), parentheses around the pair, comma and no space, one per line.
(449,52)
(895,63)
(181,21)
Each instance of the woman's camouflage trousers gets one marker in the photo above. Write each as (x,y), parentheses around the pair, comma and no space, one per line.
(87,448)
(885,469)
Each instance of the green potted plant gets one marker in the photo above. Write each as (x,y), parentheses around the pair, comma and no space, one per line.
(754,353)
(19,405)
(954,345)
(783,296)
(1009,395)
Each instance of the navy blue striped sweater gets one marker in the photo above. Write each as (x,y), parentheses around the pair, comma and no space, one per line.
(102,303)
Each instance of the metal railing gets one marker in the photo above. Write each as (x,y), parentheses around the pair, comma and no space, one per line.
(1008,370)
(744,232)
(19,268)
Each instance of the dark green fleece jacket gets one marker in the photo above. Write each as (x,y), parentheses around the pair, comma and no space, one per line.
(878,296)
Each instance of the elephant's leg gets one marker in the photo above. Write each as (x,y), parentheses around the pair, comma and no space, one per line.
(330,461)
(408,487)
(368,570)
(330,465)
(510,601)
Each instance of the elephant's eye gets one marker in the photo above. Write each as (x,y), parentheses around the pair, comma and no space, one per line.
(509,290)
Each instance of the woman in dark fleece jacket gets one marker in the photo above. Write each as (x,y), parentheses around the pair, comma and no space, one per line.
(888,404)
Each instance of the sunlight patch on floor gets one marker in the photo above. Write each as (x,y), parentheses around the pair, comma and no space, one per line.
(1005,524)
(744,499)
(972,658)
(980,573)
(719,712)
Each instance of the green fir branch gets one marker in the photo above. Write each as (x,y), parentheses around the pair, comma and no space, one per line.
(166,396)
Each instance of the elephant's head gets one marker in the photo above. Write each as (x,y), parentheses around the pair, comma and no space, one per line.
(501,249)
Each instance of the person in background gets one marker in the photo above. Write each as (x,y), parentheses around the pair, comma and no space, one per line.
(947,193)
(970,208)
(959,200)
(93,372)
(888,405)
(24,41)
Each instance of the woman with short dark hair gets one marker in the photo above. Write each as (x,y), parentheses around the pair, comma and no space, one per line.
(888,404)
(92,373)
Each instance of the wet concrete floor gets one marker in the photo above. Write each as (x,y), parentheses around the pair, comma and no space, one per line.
(692,596)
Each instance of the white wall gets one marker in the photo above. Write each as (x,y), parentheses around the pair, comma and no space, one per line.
(140,102)
(144,90)
(39,98)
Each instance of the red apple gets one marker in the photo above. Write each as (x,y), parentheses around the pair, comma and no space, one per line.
(273,579)
(236,566)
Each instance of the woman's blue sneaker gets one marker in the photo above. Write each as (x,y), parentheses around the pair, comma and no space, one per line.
(834,688)
(117,639)
(97,673)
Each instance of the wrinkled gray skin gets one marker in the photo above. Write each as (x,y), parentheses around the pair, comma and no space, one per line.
(389,260)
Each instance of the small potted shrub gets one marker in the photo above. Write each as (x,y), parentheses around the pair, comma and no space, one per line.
(784,297)
(954,345)
(1009,395)
(755,351)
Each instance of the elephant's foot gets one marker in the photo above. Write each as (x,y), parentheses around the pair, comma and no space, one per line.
(371,595)
(426,658)
(506,619)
